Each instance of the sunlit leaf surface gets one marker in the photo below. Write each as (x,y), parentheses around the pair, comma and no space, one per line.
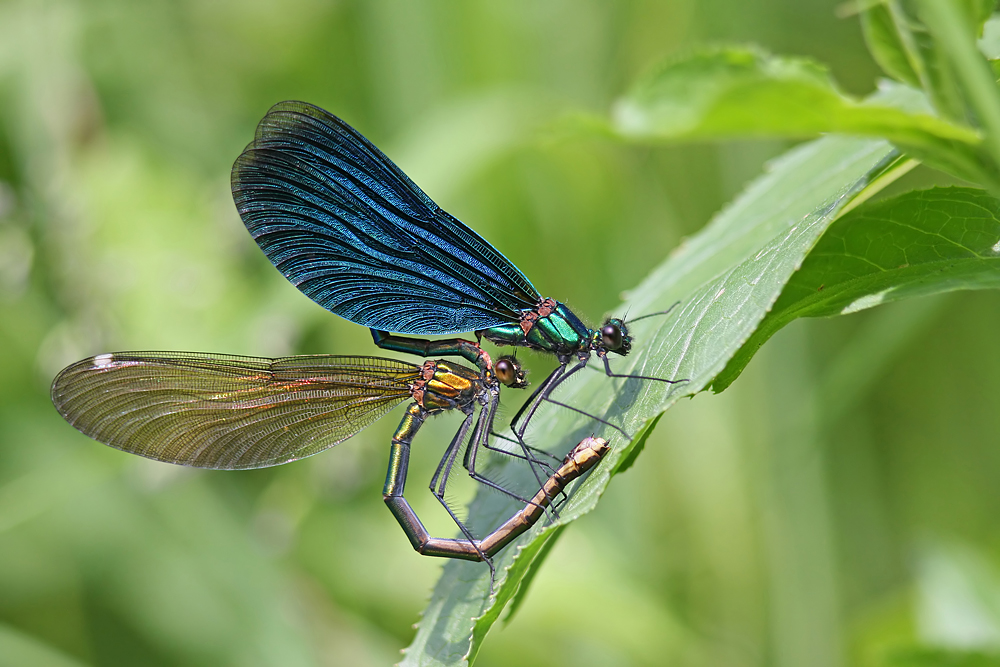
(743,92)
(20,650)
(920,243)
(735,92)
(726,277)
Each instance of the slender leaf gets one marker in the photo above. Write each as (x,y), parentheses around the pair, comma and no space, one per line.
(953,31)
(938,657)
(738,92)
(726,277)
(745,92)
(919,243)
(989,42)
(887,46)
(21,650)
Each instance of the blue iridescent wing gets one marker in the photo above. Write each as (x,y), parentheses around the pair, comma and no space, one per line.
(227,412)
(348,228)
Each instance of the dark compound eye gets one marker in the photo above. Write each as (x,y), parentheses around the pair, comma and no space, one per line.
(506,372)
(611,336)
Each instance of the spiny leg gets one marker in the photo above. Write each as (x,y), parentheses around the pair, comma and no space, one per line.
(532,402)
(545,392)
(535,400)
(587,414)
(552,470)
(480,436)
(531,405)
(469,460)
(439,483)
(546,396)
(515,455)
(525,449)
(530,457)
(541,394)
(521,457)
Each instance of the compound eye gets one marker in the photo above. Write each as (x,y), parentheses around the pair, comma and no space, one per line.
(611,336)
(506,373)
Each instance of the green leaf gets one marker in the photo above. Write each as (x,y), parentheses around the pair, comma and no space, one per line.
(989,43)
(726,277)
(733,92)
(909,33)
(979,12)
(535,567)
(937,657)
(886,44)
(20,650)
(919,243)
(954,34)
(730,93)
(628,457)
(637,445)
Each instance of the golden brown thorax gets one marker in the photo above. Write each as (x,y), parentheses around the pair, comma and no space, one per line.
(443,386)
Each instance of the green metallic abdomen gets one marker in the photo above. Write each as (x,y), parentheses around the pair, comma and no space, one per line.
(559,332)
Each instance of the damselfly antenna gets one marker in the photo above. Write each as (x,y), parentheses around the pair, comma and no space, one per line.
(648,315)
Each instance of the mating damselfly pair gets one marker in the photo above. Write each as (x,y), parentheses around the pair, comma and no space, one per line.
(350,230)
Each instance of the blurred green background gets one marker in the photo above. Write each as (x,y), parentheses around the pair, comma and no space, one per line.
(837,506)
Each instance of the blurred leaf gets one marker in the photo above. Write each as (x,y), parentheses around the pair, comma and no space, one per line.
(536,564)
(886,44)
(958,597)
(989,43)
(745,92)
(954,29)
(20,650)
(898,38)
(726,277)
(928,657)
(919,243)
(733,93)
(979,11)
(32,494)
(446,149)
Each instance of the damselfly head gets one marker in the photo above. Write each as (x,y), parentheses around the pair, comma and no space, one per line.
(509,372)
(614,337)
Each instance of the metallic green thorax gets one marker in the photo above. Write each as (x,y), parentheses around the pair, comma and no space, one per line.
(551,327)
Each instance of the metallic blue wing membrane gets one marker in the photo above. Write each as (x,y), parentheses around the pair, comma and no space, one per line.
(227,412)
(348,228)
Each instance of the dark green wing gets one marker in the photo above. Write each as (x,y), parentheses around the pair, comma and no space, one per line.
(227,412)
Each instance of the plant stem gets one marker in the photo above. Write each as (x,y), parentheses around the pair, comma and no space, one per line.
(952,30)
